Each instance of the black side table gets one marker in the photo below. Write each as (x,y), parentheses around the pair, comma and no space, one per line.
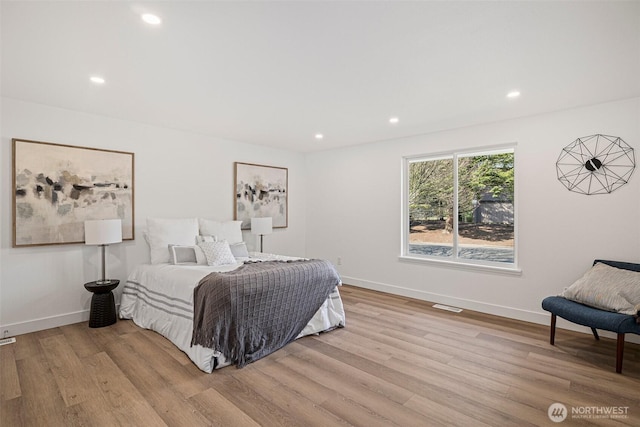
(103,305)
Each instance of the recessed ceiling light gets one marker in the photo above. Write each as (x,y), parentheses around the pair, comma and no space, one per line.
(513,94)
(97,80)
(319,136)
(394,120)
(152,19)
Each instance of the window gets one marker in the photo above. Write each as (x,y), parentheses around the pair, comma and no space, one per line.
(460,207)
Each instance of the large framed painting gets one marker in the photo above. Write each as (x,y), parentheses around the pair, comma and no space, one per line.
(261,191)
(57,187)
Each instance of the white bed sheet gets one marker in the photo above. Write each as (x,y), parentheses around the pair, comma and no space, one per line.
(160,297)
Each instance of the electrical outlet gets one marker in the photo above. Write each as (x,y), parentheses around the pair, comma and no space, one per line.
(5,333)
(339,260)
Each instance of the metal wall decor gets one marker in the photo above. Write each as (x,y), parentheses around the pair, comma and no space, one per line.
(596,164)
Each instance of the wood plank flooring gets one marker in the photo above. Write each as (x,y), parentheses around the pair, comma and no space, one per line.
(398,362)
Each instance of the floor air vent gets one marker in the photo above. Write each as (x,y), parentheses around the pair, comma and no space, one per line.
(448,308)
(7,341)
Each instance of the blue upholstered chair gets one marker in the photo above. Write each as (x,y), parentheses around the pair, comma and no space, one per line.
(594,318)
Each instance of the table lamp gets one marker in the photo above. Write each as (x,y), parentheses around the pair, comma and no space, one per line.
(103,232)
(261,226)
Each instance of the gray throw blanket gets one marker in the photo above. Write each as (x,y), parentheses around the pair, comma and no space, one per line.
(260,307)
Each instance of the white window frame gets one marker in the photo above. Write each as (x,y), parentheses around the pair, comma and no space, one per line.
(454,261)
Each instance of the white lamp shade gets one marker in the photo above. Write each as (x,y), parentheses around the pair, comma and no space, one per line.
(102,231)
(261,225)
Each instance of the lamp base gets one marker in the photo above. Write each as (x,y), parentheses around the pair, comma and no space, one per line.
(104,282)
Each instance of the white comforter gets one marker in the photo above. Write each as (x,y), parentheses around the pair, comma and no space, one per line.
(160,297)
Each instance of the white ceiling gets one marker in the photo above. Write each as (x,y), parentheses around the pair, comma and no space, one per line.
(276,73)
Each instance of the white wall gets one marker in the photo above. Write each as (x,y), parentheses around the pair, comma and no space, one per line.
(344,203)
(353,212)
(177,174)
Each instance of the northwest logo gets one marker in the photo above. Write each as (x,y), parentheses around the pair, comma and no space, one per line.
(557,412)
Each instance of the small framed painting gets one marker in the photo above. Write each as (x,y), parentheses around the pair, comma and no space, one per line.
(261,191)
(57,187)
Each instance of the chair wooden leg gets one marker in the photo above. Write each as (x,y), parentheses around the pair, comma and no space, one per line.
(552,336)
(595,334)
(619,353)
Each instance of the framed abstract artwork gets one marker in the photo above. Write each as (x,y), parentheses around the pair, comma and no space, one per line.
(261,191)
(57,187)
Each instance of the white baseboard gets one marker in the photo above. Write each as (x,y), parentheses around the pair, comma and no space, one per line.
(19,328)
(542,317)
(40,324)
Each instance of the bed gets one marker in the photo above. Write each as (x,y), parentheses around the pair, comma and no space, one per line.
(160,296)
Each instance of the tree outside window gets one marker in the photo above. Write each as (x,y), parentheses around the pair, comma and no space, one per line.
(461,207)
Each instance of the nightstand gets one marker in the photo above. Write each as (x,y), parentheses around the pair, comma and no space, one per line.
(103,305)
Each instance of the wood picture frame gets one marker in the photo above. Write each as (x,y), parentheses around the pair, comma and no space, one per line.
(56,187)
(261,191)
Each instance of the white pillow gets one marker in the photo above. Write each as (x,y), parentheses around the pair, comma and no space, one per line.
(164,232)
(217,253)
(179,254)
(201,238)
(228,230)
(607,288)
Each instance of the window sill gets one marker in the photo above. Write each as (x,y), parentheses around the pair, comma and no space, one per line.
(510,271)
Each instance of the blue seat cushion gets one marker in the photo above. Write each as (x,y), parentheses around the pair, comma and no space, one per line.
(591,317)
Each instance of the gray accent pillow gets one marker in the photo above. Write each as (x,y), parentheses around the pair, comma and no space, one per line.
(181,254)
(239,250)
(607,288)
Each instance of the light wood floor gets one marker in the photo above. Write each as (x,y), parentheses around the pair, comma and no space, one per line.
(398,362)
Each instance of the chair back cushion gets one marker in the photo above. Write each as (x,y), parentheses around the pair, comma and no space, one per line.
(608,287)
